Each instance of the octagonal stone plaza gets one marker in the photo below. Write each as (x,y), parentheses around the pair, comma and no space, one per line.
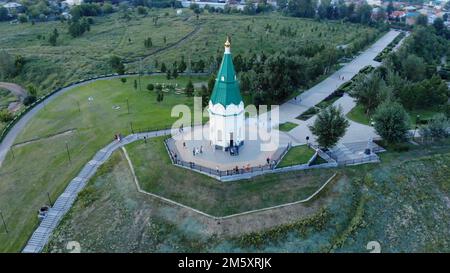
(250,154)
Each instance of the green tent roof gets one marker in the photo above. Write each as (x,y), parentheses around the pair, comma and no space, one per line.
(226,89)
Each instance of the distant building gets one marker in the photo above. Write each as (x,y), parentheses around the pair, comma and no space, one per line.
(71,3)
(219,5)
(398,15)
(14,7)
(411,18)
(374,3)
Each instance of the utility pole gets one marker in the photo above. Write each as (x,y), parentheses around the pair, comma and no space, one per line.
(12,152)
(49,200)
(131,126)
(3,220)
(78,104)
(68,152)
(128,106)
(140,72)
(190,64)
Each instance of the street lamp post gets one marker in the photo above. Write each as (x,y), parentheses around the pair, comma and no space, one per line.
(68,152)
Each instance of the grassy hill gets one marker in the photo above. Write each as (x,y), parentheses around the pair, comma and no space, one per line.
(76,58)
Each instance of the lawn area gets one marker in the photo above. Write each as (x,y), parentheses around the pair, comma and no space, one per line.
(357,114)
(287,126)
(42,166)
(402,203)
(77,58)
(157,175)
(297,155)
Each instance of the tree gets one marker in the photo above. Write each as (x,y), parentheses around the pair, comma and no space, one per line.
(205,95)
(370,92)
(135,85)
(159,96)
(148,42)
(3,14)
(329,126)
(364,13)
(22,18)
(391,122)
(32,90)
(437,127)
(7,66)
(150,87)
(168,74)
(163,67)
(422,20)
(413,68)
(390,8)
(142,10)
(29,100)
(175,73)
(189,90)
(439,26)
(117,65)
(182,66)
(123,80)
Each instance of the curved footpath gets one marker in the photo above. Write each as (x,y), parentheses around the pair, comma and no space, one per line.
(65,200)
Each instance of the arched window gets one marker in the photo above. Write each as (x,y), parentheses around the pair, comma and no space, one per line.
(222,78)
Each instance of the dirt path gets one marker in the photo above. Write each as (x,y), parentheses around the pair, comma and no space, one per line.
(16,89)
(159,50)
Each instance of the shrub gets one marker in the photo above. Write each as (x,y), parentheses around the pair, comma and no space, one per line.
(437,127)
(391,122)
(29,100)
(6,116)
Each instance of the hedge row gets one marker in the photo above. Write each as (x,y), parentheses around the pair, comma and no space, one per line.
(385,52)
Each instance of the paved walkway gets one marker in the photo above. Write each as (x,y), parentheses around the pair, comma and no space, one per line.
(293,108)
(16,89)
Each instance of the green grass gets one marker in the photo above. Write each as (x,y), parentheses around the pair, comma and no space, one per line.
(6,98)
(297,155)
(403,198)
(42,166)
(76,58)
(157,175)
(357,114)
(287,126)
